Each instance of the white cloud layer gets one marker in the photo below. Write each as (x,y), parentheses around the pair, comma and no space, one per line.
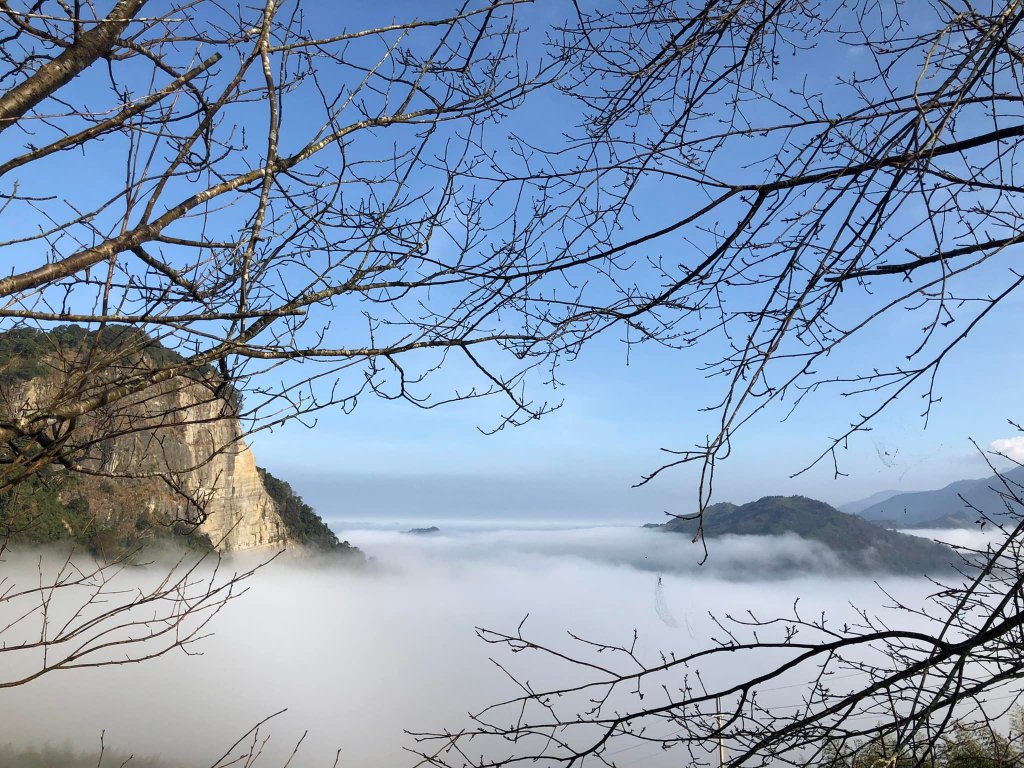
(969,538)
(357,657)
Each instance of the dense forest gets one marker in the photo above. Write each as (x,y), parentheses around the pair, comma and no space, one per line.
(30,353)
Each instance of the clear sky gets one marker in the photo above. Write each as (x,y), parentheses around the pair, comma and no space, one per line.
(580,461)
(390,459)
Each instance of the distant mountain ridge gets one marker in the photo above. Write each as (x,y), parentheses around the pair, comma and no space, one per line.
(858,506)
(859,545)
(945,507)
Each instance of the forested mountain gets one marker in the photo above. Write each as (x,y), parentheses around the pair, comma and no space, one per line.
(949,506)
(857,544)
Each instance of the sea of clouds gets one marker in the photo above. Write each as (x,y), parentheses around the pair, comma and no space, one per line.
(359,656)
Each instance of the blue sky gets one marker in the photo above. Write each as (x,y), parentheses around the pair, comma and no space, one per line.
(580,461)
(391,459)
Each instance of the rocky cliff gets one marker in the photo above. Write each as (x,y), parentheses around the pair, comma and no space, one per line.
(170,455)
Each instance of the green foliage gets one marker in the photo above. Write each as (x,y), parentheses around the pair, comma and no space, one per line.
(858,543)
(24,350)
(877,753)
(66,757)
(978,746)
(28,353)
(33,510)
(54,506)
(302,523)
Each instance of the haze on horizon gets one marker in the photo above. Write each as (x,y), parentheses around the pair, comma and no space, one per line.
(585,460)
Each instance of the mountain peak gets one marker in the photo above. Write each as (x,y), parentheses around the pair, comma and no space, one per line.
(857,543)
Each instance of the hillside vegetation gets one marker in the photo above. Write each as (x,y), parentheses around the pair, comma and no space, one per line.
(304,525)
(858,544)
(107,511)
(30,353)
(99,516)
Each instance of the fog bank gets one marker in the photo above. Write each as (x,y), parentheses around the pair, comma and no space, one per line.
(357,657)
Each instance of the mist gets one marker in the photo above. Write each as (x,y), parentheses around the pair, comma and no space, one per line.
(967,538)
(358,656)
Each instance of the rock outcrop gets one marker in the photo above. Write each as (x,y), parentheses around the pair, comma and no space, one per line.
(179,449)
(172,453)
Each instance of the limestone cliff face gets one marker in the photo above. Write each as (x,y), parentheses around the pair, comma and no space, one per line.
(172,452)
